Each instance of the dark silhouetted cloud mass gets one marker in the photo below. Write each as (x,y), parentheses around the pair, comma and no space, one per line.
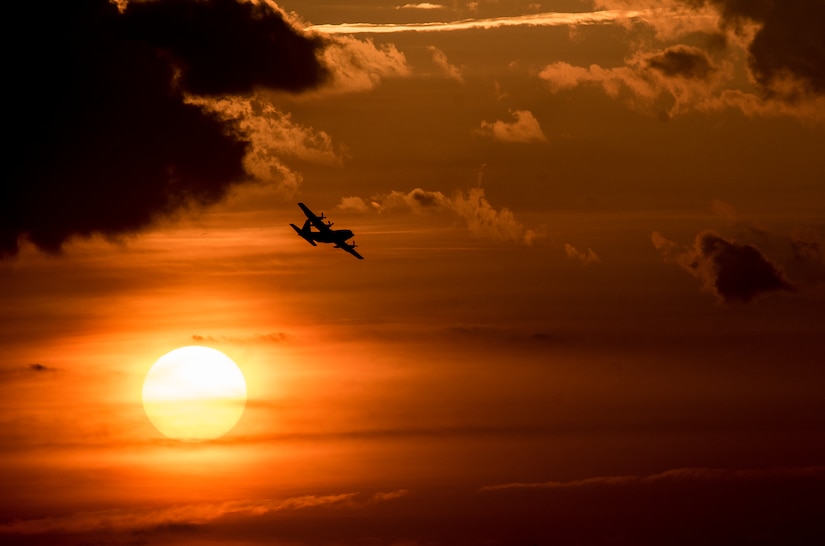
(738,272)
(225,46)
(733,271)
(790,43)
(100,139)
(683,61)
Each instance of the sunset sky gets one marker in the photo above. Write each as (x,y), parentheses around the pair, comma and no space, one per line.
(591,309)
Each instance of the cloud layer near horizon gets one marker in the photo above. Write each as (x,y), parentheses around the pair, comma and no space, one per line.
(188,514)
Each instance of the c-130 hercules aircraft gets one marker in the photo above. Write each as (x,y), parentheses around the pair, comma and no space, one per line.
(325,233)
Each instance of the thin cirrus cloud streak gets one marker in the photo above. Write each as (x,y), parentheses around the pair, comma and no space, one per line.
(189,514)
(669,476)
(548,19)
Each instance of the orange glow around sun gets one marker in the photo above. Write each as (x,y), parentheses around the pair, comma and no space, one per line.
(194,394)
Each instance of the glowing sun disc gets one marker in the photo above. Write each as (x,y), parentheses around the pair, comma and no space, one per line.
(194,394)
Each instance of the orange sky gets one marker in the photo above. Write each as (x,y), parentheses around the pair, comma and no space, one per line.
(590,309)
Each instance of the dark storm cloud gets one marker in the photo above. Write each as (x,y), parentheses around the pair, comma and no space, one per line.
(682,61)
(224,46)
(789,44)
(734,272)
(737,272)
(99,138)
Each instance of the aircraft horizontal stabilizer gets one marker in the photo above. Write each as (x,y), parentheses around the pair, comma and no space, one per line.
(301,233)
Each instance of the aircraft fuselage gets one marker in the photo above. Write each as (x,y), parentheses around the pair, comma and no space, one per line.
(331,236)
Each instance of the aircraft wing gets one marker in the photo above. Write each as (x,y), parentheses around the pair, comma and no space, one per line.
(316,220)
(349,248)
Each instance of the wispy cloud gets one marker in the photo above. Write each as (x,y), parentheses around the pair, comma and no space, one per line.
(271,337)
(360,65)
(472,207)
(670,476)
(667,82)
(188,514)
(525,128)
(450,70)
(273,137)
(31,370)
(778,45)
(585,257)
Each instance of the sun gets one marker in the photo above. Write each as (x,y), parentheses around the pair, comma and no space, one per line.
(194,394)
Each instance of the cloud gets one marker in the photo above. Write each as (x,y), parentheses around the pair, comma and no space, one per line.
(227,46)
(422,5)
(485,221)
(353,203)
(585,258)
(669,19)
(725,209)
(524,129)
(787,52)
(471,207)
(808,245)
(682,61)
(416,201)
(450,70)
(732,271)
(189,514)
(389,495)
(668,82)
(360,65)
(271,337)
(807,257)
(547,19)
(678,475)
(102,138)
(779,43)
(272,136)
(26,372)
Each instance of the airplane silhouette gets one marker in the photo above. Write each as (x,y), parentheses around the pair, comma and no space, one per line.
(325,233)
